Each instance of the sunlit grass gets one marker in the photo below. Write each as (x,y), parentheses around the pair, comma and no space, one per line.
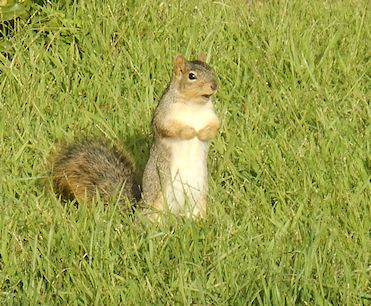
(289,211)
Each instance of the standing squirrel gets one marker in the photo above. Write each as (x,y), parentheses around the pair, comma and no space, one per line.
(175,178)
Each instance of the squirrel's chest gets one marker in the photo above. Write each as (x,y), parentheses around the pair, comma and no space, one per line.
(194,115)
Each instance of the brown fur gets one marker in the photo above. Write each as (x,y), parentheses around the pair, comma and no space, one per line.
(175,129)
(209,132)
(192,90)
(86,169)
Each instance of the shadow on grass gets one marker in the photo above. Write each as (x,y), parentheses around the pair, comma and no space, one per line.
(138,145)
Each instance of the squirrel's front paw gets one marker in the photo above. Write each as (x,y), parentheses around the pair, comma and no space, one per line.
(187,132)
(208,132)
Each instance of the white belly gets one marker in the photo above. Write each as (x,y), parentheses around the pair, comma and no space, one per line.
(194,115)
(188,168)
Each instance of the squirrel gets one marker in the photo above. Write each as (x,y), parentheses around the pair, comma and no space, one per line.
(175,178)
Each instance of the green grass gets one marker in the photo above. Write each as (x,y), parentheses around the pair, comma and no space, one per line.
(290,196)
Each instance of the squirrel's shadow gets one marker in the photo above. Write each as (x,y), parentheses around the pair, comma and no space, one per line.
(138,145)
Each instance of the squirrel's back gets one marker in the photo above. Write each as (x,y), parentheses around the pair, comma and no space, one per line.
(84,169)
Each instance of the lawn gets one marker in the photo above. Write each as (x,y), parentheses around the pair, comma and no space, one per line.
(289,205)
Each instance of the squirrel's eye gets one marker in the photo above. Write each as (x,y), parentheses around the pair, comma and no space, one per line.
(192,76)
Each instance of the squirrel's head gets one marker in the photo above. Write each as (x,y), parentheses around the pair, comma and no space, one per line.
(195,80)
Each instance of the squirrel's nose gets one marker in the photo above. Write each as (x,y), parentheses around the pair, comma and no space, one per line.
(214,86)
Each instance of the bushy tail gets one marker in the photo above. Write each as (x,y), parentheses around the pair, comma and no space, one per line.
(86,169)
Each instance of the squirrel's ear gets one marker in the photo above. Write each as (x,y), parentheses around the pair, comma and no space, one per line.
(180,64)
(202,57)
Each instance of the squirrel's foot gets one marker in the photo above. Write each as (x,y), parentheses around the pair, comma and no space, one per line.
(208,132)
